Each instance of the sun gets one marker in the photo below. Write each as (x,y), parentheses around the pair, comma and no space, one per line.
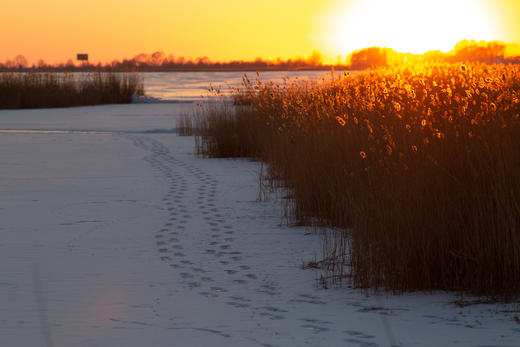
(413,26)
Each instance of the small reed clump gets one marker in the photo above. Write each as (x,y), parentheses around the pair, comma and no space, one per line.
(417,166)
(42,90)
(184,125)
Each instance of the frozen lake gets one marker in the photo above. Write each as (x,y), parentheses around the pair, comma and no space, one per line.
(193,86)
(113,233)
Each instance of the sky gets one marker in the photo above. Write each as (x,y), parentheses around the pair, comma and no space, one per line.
(55,30)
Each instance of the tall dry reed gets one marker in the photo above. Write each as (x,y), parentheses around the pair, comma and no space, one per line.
(418,166)
(40,90)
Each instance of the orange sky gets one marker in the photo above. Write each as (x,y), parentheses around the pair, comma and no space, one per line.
(55,30)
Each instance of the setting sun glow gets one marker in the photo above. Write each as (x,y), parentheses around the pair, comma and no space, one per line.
(55,30)
(412,26)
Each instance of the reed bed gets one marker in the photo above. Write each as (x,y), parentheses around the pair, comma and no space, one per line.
(416,169)
(41,90)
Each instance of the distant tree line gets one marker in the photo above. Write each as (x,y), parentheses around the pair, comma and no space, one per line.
(464,51)
(159,61)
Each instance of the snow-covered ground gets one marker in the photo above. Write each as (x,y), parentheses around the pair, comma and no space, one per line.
(112,233)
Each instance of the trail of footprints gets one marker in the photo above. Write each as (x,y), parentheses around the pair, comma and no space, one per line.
(210,263)
(215,254)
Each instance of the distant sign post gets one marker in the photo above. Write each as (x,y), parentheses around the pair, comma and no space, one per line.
(82,57)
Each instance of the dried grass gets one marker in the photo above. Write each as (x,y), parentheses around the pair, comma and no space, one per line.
(43,90)
(418,167)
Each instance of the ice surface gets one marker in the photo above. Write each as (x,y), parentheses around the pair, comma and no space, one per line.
(193,86)
(115,234)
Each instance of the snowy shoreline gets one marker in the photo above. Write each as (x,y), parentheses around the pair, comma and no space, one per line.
(114,233)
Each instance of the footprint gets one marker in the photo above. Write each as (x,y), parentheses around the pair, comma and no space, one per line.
(308,299)
(194,284)
(218,289)
(268,289)
(358,334)
(315,328)
(272,309)
(237,304)
(271,316)
(208,294)
(354,342)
